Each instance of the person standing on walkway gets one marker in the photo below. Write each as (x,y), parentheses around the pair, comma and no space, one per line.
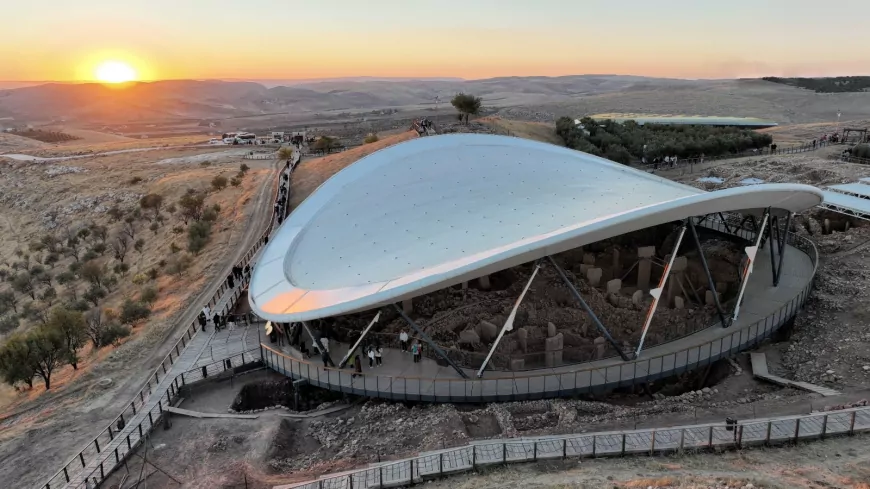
(357,366)
(379,352)
(403,341)
(415,350)
(217,322)
(230,282)
(202,321)
(371,355)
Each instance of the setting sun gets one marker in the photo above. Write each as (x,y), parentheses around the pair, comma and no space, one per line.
(115,72)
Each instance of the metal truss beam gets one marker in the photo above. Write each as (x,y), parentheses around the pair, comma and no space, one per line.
(782,244)
(656,293)
(751,253)
(509,324)
(710,282)
(358,341)
(588,309)
(429,341)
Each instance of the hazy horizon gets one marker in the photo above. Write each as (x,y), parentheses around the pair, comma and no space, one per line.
(270,39)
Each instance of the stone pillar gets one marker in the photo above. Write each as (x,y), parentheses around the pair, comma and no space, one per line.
(644,267)
(487,331)
(407,306)
(484,282)
(551,330)
(679,266)
(518,364)
(679,303)
(614,286)
(588,259)
(523,339)
(599,347)
(553,350)
(617,265)
(827,226)
(593,275)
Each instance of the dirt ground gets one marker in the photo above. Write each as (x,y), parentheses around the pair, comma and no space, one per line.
(538,131)
(40,197)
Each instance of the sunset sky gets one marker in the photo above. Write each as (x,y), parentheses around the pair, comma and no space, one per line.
(292,39)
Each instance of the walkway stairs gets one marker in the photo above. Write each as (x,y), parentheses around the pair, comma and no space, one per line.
(759,370)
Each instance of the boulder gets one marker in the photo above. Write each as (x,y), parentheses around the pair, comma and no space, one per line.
(637,299)
(469,337)
(518,364)
(551,330)
(523,339)
(646,251)
(593,275)
(679,303)
(487,331)
(614,286)
(588,259)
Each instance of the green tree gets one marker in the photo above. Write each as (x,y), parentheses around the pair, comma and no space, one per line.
(48,350)
(371,138)
(8,301)
(326,143)
(192,205)
(243,168)
(198,236)
(148,295)
(71,327)
(132,312)
(93,272)
(17,361)
(466,105)
(284,154)
(152,202)
(218,183)
(24,283)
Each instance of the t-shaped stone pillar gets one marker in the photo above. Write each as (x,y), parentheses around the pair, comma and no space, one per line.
(614,286)
(644,266)
(599,347)
(593,275)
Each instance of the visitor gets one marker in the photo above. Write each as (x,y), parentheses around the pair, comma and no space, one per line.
(202,321)
(415,351)
(230,282)
(325,342)
(814,144)
(303,349)
(357,366)
(326,360)
(403,341)
(379,352)
(217,321)
(207,311)
(371,355)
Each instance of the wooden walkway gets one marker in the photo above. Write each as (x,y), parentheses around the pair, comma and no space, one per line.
(759,369)
(764,310)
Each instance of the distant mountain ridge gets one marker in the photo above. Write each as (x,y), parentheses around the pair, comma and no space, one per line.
(216,99)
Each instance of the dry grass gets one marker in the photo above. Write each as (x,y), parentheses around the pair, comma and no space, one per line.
(802,133)
(78,147)
(537,131)
(312,173)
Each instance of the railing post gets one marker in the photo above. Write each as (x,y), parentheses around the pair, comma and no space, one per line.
(623,445)
(564,448)
(797,429)
(824,426)
(682,439)
(852,424)
(710,438)
(381,475)
(535,450)
(767,438)
(594,439)
(412,472)
(504,453)
(82,458)
(652,447)
(441,463)
(740,436)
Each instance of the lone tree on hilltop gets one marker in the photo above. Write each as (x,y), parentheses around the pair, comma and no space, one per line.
(466,105)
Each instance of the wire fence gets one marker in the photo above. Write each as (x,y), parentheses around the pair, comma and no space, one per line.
(679,439)
(855,159)
(222,301)
(690,163)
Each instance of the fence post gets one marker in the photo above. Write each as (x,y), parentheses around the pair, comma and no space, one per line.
(564,448)
(682,439)
(710,438)
(382,476)
(350,481)
(767,439)
(852,424)
(623,445)
(797,429)
(82,458)
(824,426)
(504,453)
(474,457)
(652,447)
(740,436)
(441,463)
(535,450)
(594,438)
(412,471)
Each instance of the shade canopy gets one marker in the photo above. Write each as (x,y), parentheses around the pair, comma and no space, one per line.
(437,211)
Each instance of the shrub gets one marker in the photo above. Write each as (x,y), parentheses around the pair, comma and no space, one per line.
(174,248)
(154,273)
(198,236)
(90,255)
(140,278)
(154,227)
(113,333)
(235,181)
(371,138)
(135,180)
(861,151)
(243,168)
(219,183)
(178,264)
(132,312)
(99,248)
(205,163)
(210,215)
(148,295)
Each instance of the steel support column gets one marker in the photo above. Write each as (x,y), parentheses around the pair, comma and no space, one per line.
(710,282)
(509,324)
(774,222)
(656,293)
(429,341)
(751,252)
(725,223)
(358,341)
(588,309)
(782,246)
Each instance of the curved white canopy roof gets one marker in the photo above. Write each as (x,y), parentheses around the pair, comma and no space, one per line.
(436,211)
